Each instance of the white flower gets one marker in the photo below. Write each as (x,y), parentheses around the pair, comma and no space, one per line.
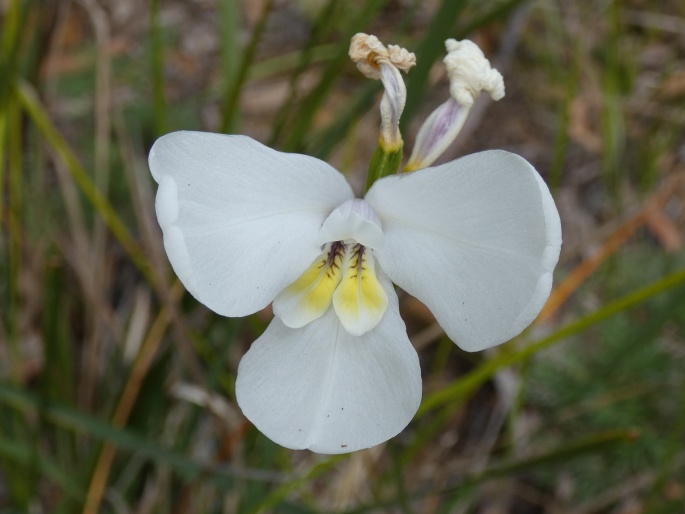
(475,240)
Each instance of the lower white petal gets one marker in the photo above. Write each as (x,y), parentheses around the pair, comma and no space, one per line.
(475,239)
(318,387)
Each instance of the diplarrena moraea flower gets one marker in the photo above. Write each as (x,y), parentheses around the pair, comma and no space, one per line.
(476,240)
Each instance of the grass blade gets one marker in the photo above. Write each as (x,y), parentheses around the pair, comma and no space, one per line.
(80,422)
(460,389)
(29,101)
(230,105)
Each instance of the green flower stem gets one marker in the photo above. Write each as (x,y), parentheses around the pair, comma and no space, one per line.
(383,163)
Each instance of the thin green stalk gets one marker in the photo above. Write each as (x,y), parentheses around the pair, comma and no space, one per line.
(319,29)
(3,139)
(589,445)
(230,105)
(458,391)
(556,60)
(613,122)
(80,422)
(668,465)
(309,108)
(101,175)
(324,142)
(14,426)
(31,104)
(103,123)
(285,490)
(231,51)
(14,164)
(383,163)
(430,48)
(8,57)
(10,27)
(157,65)
(18,476)
(599,442)
(592,445)
(570,79)
(229,17)
(12,451)
(287,62)
(397,467)
(499,11)
(9,43)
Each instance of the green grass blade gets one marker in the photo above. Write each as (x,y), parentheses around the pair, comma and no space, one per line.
(29,101)
(285,490)
(428,51)
(308,109)
(319,29)
(229,17)
(157,67)
(79,422)
(594,444)
(25,456)
(324,142)
(460,389)
(499,11)
(289,61)
(232,97)
(15,235)
(9,45)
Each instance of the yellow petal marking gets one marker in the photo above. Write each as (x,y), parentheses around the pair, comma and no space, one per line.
(359,300)
(309,297)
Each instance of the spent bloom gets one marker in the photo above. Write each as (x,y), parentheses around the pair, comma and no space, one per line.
(376,61)
(470,74)
(476,240)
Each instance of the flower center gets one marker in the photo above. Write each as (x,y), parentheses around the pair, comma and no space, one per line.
(343,275)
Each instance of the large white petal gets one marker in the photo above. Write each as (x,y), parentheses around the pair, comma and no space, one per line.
(240,220)
(318,387)
(475,239)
